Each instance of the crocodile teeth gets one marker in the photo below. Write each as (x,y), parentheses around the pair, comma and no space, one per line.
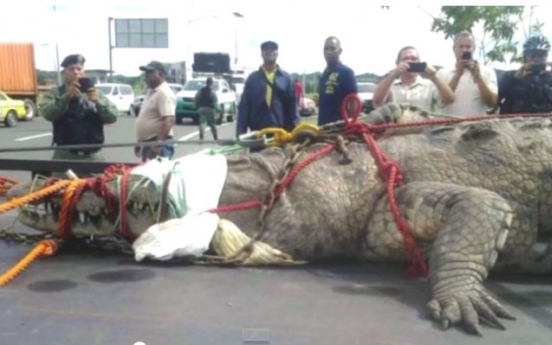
(82,217)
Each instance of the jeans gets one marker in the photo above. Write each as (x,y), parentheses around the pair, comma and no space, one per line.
(166,151)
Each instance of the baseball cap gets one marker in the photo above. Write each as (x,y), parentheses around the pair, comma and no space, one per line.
(154,66)
(269,45)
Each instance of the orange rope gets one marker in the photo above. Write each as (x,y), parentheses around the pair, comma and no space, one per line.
(43,248)
(73,189)
(68,206)
(39,194)
(6,184)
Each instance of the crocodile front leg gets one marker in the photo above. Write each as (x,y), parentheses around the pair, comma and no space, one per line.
(468,227)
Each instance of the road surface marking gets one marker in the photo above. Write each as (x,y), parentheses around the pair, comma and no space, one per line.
(193,134)
(31,137)
(204,151)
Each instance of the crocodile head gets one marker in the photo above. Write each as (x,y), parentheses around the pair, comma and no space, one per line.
(91,216)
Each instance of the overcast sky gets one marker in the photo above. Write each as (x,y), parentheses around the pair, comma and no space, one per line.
(370,36)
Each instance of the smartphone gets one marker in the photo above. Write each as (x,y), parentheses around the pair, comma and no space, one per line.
(466,56)
(538,67)
(85,84)
(417,67)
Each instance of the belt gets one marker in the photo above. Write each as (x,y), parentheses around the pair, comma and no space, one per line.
(170,137)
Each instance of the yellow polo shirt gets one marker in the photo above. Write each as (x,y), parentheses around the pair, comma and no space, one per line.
(268,94)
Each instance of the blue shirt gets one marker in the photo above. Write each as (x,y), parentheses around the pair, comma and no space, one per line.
(253,110)
(334,85)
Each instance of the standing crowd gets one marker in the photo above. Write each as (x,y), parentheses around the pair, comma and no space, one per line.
(466,89)
(270,97)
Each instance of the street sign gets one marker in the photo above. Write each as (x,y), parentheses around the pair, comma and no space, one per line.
(142,33)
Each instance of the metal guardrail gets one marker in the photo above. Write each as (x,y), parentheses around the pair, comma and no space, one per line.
(46,167)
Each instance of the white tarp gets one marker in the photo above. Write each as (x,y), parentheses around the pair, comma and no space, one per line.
(195,186)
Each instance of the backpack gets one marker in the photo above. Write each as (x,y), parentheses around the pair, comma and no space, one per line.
(205,99)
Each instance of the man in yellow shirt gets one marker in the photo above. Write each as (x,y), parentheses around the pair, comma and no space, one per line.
(268,98)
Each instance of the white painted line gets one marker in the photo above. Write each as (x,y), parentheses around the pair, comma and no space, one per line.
(203,151)
(31,137)
(193,134)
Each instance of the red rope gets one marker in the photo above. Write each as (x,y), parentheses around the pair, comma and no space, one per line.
(451,120)
(99,187)
(390,173)
(286,181)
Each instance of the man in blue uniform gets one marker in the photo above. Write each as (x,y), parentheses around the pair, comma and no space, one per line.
(268,98)
(335,84)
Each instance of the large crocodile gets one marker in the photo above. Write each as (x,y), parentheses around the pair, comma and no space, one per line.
(470,192)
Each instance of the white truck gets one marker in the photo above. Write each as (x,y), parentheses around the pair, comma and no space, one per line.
(185,107)
(239,75)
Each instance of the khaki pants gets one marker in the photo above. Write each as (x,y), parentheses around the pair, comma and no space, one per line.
(207,117)
(66,155)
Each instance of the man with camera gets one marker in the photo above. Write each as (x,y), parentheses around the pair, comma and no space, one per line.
(78,113)
(426,93)
(475,87)
(529,89)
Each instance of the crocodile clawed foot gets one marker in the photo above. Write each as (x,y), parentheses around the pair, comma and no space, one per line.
(468,305)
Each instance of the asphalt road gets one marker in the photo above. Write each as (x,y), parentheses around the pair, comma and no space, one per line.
(90,298)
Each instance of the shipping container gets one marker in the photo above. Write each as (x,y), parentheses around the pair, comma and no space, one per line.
(18,77)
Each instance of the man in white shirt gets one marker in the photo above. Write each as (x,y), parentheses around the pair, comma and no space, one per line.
(475,87)
(156,119)
(423,89)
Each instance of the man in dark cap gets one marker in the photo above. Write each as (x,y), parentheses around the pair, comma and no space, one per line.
(268,98)
(78,113)
(156,118)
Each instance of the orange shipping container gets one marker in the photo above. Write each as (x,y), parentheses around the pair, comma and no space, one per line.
(17,69)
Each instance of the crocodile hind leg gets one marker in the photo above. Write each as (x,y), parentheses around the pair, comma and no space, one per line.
(468,227)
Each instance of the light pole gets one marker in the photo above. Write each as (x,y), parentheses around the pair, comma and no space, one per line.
(190,37)
(54,61)
(57,57)
(237,15)
(190,21)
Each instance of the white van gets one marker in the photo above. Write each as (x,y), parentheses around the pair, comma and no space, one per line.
(121,95)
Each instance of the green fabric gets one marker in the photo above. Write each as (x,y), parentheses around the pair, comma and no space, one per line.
(214,98)
(207,118)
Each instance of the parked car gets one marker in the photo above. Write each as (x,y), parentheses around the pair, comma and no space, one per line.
(307,107)
(11,110)
(120,94)
(138,100)
(185,107)
(366,93)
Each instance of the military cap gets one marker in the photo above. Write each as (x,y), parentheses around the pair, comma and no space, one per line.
(269,45)
(73,59)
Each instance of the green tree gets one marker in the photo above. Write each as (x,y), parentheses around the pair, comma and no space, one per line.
(500,24)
